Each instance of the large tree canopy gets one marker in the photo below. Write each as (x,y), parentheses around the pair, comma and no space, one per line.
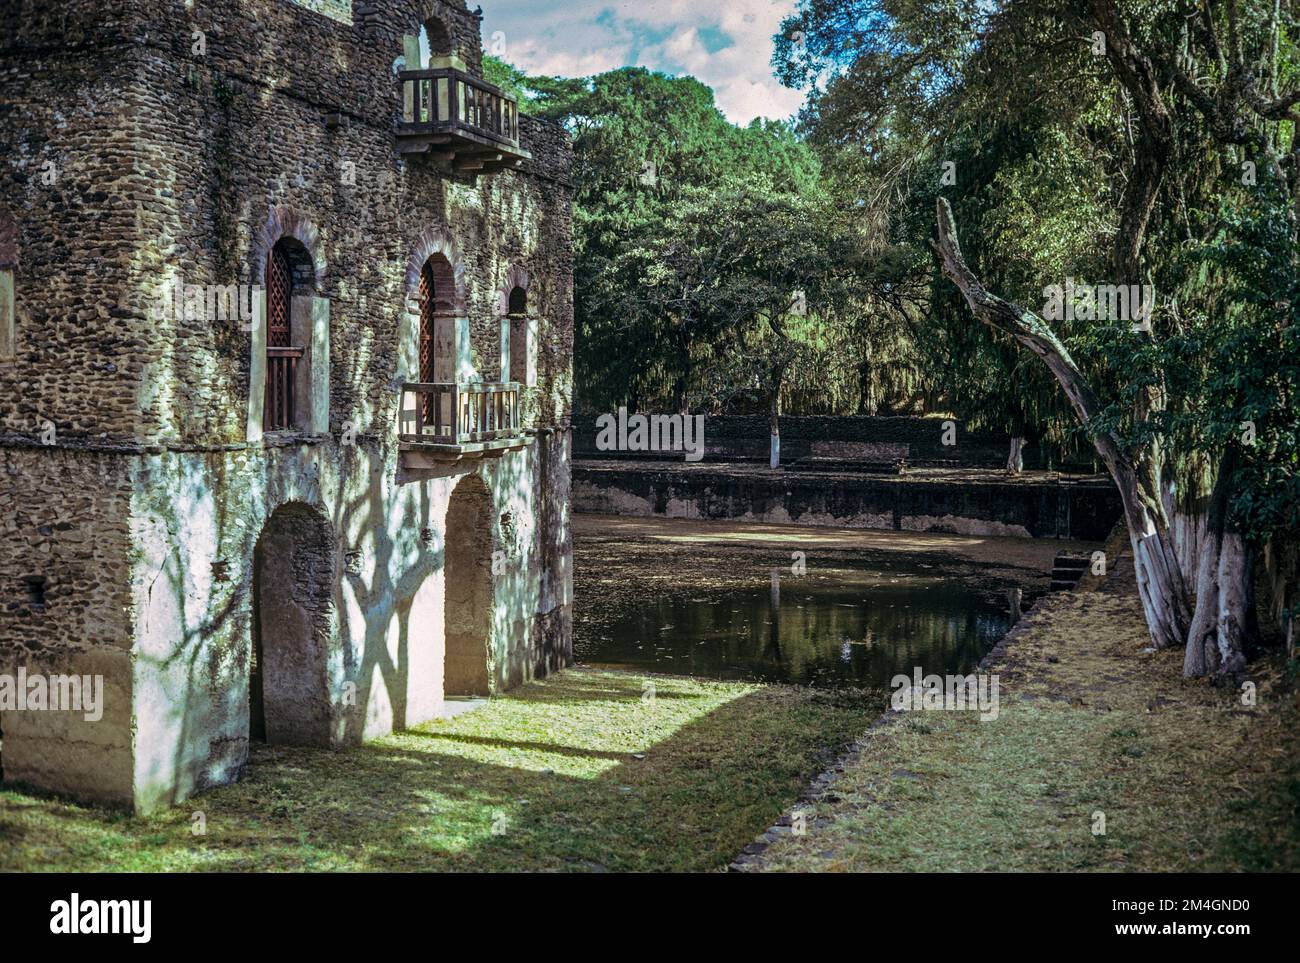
(1098,146)
(716,267)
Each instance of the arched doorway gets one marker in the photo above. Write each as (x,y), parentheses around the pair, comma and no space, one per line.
(467,575)
(293,608)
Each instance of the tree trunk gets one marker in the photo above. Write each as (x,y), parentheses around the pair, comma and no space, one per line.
(1161,587)
(774,410)
(1224,620)
(681,384)
(679,394)
(1015,457)
(774,422)
(864,389)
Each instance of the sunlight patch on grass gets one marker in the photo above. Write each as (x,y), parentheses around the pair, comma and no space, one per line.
(575,772)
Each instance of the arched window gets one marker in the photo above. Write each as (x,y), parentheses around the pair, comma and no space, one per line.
(518,304)
(519,338)
(282,355)
(437,300)
(289,339)
(437,321)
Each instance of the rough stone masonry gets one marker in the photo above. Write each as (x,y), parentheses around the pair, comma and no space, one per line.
(229,577)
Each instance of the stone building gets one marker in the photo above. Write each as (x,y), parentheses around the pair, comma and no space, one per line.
(285,369)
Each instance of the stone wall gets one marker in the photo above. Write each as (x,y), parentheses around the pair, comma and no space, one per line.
(174,165)
(849,438)
(65,574)
(340,10)
(1021,509)
(183,140)
(197,522)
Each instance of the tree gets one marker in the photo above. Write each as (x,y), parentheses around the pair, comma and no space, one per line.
(784,288)
(646,147)
(1158,121)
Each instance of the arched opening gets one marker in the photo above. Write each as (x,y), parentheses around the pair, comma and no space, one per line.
(518,302)
(518,335)
(288,328)
(467,575)
(435,42)
(437,326)
(293,581)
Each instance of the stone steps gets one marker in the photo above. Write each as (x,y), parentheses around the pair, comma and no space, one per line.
(1066,572)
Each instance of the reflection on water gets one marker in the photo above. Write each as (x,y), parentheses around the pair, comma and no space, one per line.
(810,633)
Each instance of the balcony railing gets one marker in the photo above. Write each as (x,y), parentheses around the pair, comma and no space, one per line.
(460,119)
(478,415)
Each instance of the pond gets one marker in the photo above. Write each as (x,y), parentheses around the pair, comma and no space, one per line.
(860,631)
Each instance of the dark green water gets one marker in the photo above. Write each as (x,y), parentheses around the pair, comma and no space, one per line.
(809,633)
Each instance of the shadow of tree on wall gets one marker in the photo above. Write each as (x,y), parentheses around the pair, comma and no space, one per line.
(201,517)
(380,597)
(545,778)
(200,671)
(199,521)
(204,518)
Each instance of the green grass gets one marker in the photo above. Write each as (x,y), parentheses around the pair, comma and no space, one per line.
(553,766)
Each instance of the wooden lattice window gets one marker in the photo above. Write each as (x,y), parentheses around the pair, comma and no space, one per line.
(279,282)
(282,356)
(427,285)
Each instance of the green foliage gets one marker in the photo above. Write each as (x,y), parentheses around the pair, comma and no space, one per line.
(1044,141)
(693,237)
(510,79)
(1235,360)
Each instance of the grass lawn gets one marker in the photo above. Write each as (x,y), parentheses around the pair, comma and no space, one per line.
(1189,778)
(577,772)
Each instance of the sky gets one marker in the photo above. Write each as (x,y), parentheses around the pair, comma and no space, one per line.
(727,44)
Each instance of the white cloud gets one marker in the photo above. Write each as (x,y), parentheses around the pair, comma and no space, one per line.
(582,37)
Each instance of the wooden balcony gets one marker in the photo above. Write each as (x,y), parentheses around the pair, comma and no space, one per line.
(459,120)
(448,421)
